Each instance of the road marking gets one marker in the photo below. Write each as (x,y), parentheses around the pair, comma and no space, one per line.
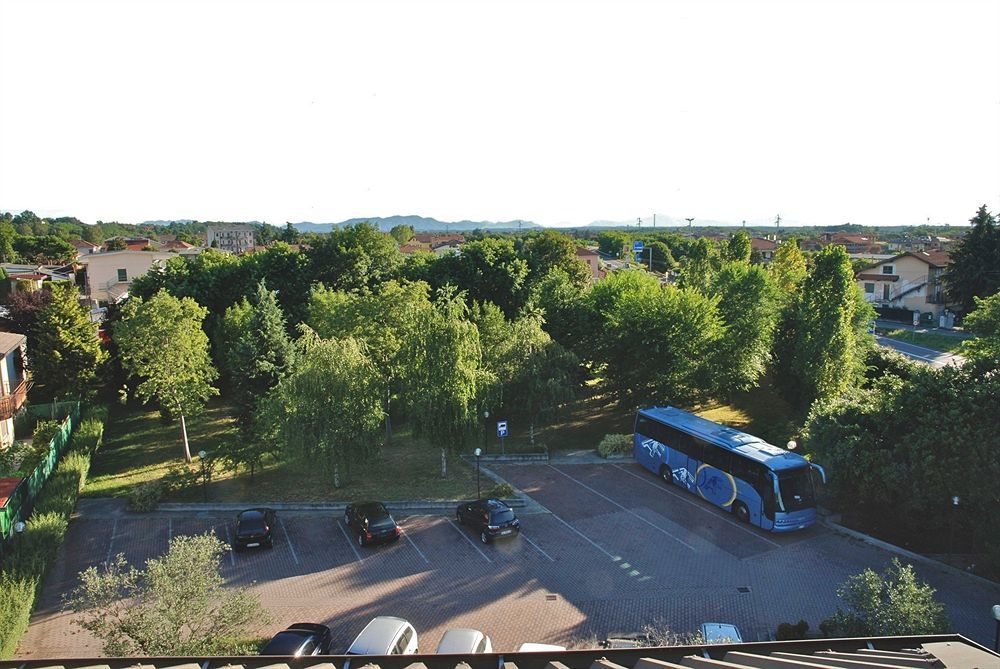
(653,525)
(111,541)
(471,542)
(170,530)
(407,537)
(288,540)
(681,496)
(232,549)
(537,547)
(349,542)
(585,537)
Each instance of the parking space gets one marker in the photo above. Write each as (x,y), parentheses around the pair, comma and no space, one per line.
(615,550)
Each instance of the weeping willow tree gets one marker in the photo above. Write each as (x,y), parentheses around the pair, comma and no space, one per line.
(329,409)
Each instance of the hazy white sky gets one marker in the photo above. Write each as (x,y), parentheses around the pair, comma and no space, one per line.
(878,113)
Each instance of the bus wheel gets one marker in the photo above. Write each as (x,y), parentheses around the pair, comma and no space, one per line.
(666,474)
(741,512)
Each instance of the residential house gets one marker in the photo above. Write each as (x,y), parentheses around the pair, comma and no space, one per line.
(764,248)
(176,245)
(110,274)
(446,248)
(910,280)
(31,277)
(592,260)
(430,239)
(84,247)
(410,247)
(230,238)
(13,382)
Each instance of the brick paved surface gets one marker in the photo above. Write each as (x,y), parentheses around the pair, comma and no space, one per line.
(617,549)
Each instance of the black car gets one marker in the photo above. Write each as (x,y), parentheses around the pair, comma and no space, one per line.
(371,523)
(490,517)
(253,529)
(300,639)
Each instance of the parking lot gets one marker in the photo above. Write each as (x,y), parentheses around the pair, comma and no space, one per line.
(613,548)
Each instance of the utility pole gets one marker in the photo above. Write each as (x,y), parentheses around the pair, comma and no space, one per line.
(744,224)
(639,223)
(689,220)
(777,223)
(654,220)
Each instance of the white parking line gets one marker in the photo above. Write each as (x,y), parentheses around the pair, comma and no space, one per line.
(349,542)
(170,530)
(584,536)
(653,525)
(111,541)
(419,552)
(471,542)
(537,547)
(288,540)
(232,549)
(682,497)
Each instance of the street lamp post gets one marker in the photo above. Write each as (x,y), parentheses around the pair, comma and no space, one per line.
(486,428)
(479,452)
(951,537)
(204,474)
(996,616)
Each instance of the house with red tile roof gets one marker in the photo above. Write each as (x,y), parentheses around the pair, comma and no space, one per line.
(911,280)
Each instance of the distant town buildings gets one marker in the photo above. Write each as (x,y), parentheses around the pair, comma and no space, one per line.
(230,238)
(763,248)
(910,281)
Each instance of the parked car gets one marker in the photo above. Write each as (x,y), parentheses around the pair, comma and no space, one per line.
(253,529)
(385,635)
(720,633)
(371,522)
(464,640)
(490,517)
(300,639)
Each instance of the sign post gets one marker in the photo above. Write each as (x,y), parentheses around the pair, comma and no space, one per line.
(637,247)
(502,433)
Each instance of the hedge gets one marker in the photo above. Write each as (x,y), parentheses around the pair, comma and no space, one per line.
(32,552)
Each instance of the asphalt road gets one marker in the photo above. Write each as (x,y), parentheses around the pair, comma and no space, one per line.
(922,353)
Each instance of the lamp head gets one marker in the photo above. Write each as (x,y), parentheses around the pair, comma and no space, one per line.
(202,454)
(478,452)
(19,527)
(955,500)
(791,445)
(996,611)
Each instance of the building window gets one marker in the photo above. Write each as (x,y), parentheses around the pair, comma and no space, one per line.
(887,269)
(122,276)
(870,288)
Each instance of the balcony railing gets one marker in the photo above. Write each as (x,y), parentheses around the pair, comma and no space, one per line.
(9,404)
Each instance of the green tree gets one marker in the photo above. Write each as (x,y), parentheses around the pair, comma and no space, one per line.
(893,603)
(444,376)
(613,243)
(545,377)
(748,305)
(177,605)
(699,264)
(329,409)
(984,322)
(487,270)
(788,267)
(975,262)
(738,247)
(226,335)
(290,235)
(356,257)
(402,233)
(45,250)
(163,346)
(261,357)
(548,250)
(662,258)
(67,353)
(7,236)
(830,329)
(564,309)
(116,244)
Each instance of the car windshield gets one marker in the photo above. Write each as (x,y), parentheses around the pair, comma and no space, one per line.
(251,523)
(284,643)
(380,523)
(796,490)
(504,516)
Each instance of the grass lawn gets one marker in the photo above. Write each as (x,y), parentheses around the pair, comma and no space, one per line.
(932,340)
(139,447)
(761,412)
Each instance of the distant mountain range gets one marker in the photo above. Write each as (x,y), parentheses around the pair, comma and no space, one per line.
(419,224)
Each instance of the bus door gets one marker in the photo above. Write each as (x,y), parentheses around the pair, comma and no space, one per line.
(683,461)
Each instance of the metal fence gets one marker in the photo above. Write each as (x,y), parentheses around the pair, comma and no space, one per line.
(22,499)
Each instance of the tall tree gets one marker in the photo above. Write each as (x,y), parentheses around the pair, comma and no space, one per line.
(177,605)
(402,233)
(984,322)
(67,352)
(444,375)
(328,411)
(748,305)
(788,267)
(548,250)
(830,328)
(658,257)
(613,243)
(487,270)
(162,344)
(699,264)
(21,313)
(738,247)
(290,235)
(356,257)
(7,236)
(975,262)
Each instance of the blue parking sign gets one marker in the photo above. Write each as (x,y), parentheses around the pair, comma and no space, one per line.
(501,428)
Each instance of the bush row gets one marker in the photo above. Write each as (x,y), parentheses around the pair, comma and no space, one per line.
(613,444)
(29,555)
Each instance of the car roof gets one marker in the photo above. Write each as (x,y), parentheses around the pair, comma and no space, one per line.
(378,636)
(370,507)
(287,642)
(255,514)
(459,640)
(491,504)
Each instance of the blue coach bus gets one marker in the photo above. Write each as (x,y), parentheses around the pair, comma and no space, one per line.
(759,483)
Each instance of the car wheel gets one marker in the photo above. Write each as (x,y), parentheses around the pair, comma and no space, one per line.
(269,544)
(666,475)
(347,519)
(485,538)
(741,512)
(361,540)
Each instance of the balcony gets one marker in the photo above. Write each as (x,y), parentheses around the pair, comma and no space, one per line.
(9,404)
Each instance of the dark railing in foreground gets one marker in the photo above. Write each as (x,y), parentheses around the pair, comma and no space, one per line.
(944,651)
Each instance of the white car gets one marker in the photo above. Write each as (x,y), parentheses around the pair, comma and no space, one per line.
(720,633)
(464,640)
(385,635)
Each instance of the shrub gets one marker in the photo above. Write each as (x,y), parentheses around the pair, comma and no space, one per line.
(788,631)
(501,491)
(615,443)
(180,477)
(145,497)
(89,435)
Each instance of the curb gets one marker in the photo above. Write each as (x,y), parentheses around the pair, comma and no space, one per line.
(513,457)
(334,507)
(917,557)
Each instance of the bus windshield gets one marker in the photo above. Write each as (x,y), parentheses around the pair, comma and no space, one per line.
(795,489)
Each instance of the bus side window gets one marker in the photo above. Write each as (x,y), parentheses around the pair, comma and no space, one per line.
(741,469)
(643,426)
(714,456)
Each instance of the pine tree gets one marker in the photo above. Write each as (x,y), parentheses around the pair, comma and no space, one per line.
(67,352)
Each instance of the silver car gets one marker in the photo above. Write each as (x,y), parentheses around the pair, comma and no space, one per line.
(464,640)
(385,635)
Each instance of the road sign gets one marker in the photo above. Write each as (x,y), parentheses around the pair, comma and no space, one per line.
(916,318)
(637,246)
(501,428)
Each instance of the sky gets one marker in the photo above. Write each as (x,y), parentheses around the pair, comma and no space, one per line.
(562,113)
